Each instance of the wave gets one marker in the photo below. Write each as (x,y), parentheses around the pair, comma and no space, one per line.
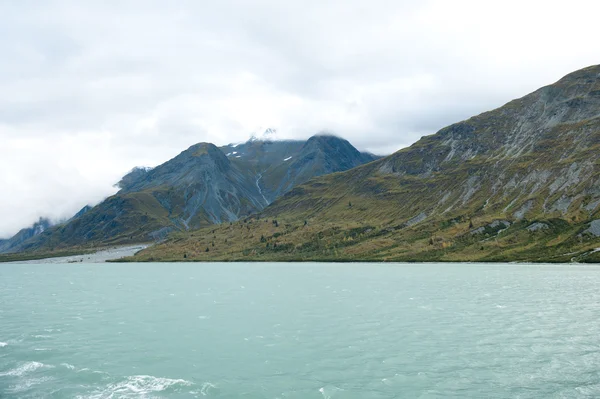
(206,387)
(330,391)
(138,386)
(28,383)
(3,344)
(23,369)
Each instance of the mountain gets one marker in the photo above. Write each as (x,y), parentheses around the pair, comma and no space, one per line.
(204,185)
(280,165)
(521,182)
(14,243)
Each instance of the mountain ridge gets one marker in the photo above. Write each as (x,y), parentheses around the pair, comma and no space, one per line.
(203,185)
(521,182)
(15,242)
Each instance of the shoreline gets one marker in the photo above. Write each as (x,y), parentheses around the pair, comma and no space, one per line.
(101,256)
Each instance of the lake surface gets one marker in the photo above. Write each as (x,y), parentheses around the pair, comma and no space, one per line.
(299,331)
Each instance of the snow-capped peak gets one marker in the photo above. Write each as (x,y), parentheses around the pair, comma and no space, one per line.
(268,134)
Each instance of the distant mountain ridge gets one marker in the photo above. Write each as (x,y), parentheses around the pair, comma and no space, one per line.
(14,243)
(201,186)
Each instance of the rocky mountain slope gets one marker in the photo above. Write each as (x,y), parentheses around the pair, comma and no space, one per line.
(281,165)
(521,182)
(204,185)
(14,243)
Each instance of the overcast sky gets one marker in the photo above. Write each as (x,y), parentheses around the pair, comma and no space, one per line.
(90,89)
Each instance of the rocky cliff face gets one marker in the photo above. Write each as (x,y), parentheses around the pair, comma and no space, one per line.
(278,166)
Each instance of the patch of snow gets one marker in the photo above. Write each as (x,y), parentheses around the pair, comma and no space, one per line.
(268,134)
(235,152)
(238,156)
(228,154)
(287,159)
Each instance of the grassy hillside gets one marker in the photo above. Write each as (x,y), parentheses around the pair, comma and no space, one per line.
(373,239)
(518,183)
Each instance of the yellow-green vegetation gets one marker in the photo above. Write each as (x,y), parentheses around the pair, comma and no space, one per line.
(520,183)
(351,239)
(334,227)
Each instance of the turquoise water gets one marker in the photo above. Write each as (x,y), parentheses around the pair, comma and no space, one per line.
(299,331)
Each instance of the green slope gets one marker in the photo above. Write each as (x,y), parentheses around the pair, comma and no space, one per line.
(521,182)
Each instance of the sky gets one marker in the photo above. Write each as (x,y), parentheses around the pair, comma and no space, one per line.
(90,89)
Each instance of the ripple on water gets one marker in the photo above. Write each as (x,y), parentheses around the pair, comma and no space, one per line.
(23,369)
(28,383)
(294,339)
(139,386)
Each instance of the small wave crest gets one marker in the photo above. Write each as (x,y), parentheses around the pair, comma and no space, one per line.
(206,387)
(3,344)
(23,369)
(330,392)
(28,383)
(138,386)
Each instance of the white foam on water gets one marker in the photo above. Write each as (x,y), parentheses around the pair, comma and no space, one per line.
(23,369)
(330,391)
(206,387)
(28,383)
(67,365)
(42,336)
(3,344)
(137,386)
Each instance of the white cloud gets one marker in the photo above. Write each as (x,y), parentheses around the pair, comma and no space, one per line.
(91,89)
